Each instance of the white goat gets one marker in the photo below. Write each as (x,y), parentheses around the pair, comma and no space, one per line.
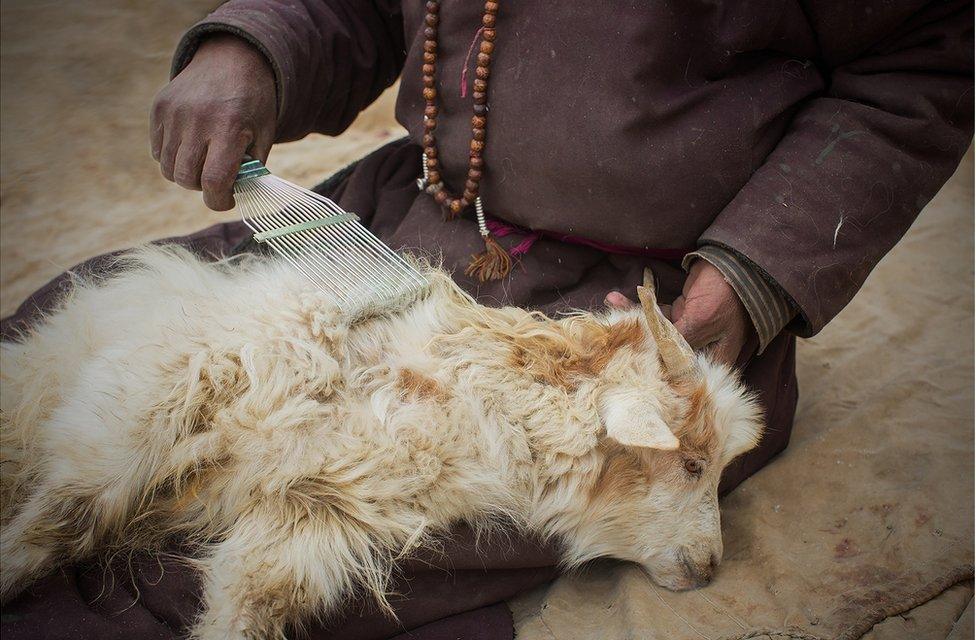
(230,404)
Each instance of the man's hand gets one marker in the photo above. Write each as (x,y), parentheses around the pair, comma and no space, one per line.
(708,313)
(220,106)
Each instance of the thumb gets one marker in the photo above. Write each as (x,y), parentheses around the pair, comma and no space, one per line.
(618,300)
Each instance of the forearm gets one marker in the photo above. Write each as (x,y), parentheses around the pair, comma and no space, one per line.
(857,164)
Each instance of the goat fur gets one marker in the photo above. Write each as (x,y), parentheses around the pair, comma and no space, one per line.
(230,405)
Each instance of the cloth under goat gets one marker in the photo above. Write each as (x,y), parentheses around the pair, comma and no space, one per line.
(461,590)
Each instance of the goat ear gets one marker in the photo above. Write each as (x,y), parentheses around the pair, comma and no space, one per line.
(634,425)
(743,437)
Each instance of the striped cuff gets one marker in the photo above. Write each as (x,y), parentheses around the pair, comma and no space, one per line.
(768,308)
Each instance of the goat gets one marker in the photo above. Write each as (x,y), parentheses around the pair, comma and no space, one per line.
(229,404)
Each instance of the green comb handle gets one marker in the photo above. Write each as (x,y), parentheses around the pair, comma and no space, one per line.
(251,168)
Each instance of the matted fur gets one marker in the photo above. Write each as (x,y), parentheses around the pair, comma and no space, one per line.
(231,405)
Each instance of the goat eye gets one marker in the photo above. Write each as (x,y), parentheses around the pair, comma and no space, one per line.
(694,466)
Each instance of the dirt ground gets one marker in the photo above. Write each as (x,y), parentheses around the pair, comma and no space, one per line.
(873,500)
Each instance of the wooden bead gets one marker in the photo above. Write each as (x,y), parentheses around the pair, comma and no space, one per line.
(452,204)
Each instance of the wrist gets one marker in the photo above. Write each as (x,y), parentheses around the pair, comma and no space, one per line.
(228,49)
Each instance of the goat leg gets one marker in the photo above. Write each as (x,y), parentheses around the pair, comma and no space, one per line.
(271,569)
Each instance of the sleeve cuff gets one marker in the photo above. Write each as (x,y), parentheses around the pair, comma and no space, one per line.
(769,309)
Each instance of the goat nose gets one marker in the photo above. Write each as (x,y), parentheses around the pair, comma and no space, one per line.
(704,575)
(699,574)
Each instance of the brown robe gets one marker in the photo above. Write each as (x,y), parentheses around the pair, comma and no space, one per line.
(803,136)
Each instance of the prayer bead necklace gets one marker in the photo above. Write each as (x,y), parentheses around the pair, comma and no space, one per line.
(494,263)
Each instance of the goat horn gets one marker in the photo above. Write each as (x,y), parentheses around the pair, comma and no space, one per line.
(676,355)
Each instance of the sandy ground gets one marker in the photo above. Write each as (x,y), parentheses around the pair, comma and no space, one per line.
(887,387)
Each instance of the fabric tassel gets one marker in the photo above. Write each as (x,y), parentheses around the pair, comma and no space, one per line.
(493,264)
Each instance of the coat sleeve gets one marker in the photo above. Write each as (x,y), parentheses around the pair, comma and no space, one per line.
(858,162)
(331,58)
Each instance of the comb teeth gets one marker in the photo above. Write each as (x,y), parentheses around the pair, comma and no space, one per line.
(360,274)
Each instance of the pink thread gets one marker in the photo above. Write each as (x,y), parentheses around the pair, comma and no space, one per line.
(499,228)
(502,229)
(523,247)
(467,59)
